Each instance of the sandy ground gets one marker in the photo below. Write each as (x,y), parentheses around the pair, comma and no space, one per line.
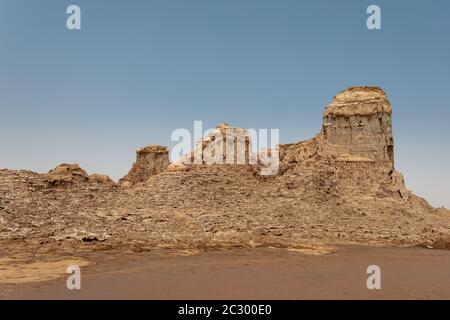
(406,273)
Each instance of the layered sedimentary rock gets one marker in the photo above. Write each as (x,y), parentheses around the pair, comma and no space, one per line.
(357,125)
(71,174)
(66,174)
(150,160)
(340,186)
(354,149)
(225,145)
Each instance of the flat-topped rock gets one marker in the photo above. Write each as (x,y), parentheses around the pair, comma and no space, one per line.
(358,123)
(339,186)
(153,148)
(150,160)
(359,101)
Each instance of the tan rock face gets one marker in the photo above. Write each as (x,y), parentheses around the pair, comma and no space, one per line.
(353,154)
(226,145)
(340,186)
(101,179)
(150,160)
(357,125)
(66,174)
(360,101)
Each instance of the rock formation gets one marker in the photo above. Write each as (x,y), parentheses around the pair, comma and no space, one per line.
(356,127)
(339,187)
(355,146)
(150,160)
(71,174)
(101,179)
(66,174)
(225,145)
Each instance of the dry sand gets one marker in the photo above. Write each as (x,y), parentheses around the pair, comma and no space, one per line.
(407,273)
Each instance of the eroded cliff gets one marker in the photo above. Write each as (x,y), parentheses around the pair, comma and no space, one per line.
(340,186)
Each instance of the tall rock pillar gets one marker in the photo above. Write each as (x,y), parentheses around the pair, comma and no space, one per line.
(150,160)
(357,125)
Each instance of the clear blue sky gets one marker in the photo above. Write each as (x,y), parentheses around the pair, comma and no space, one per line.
(140,69)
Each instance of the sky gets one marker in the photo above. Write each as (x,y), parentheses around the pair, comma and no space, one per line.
(137,70)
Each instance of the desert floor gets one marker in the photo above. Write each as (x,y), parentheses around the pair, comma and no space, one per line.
(337,272)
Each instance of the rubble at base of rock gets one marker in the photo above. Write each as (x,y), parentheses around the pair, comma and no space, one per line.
(340,186)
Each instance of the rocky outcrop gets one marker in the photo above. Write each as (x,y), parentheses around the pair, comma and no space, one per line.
(357,126)
(339,186)
(150,160)
(226,145)
(101,179)
(354,148)
(66,174)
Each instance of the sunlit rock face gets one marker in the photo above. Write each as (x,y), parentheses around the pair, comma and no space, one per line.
(353,153)
(357,125)
(341,185)
(150,160)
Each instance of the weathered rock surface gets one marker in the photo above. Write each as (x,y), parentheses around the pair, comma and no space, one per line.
(340,186)
(224,145)
(150,160)
(66,174)
(355,147)
(100,178)
(357,125)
